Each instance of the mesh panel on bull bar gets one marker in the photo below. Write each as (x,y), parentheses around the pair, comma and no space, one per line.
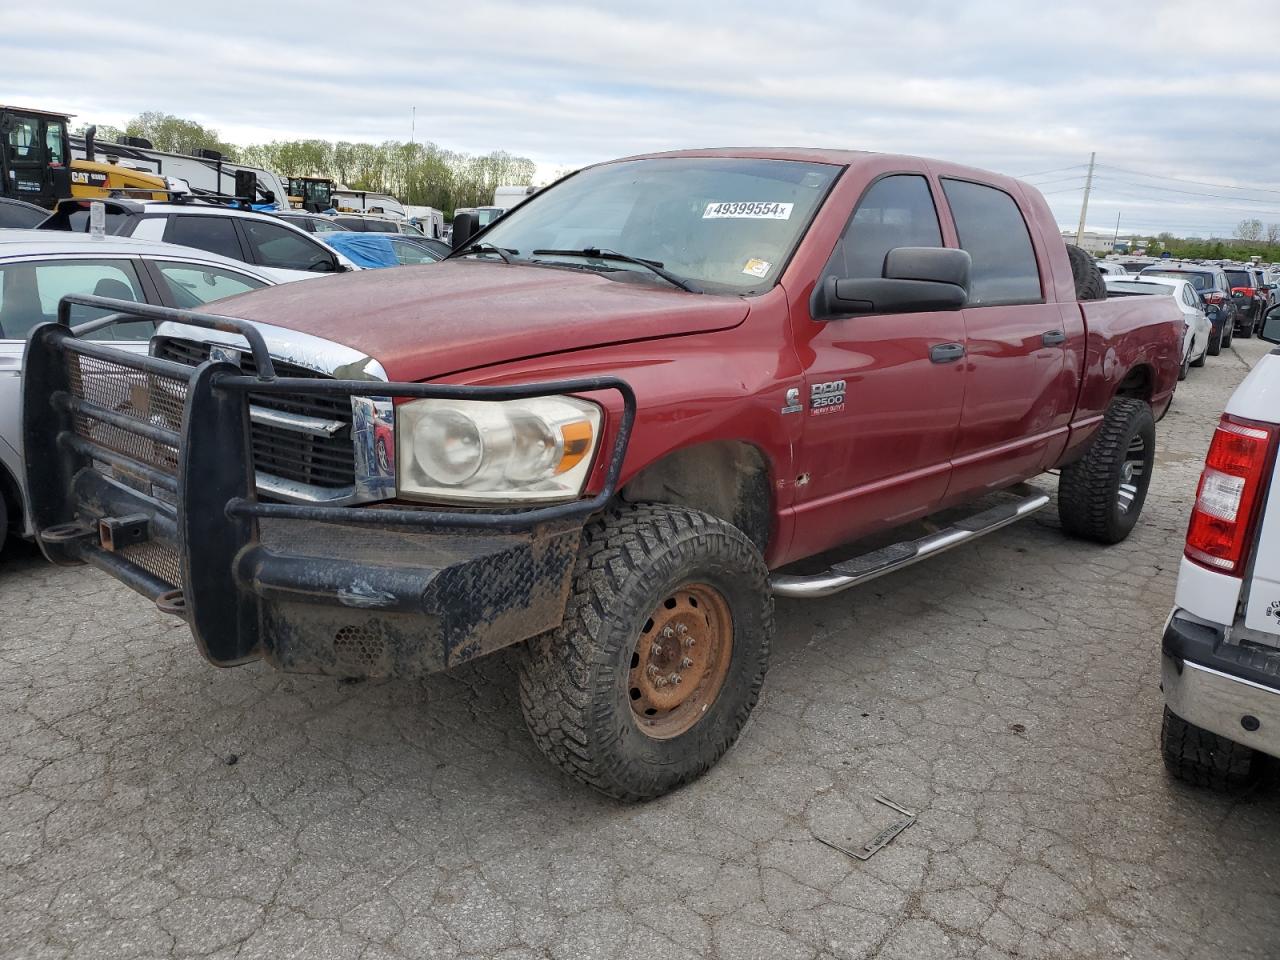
(151,399)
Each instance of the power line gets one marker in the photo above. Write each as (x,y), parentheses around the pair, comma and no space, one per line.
(1198,183)
(1188,193)
(1041,173)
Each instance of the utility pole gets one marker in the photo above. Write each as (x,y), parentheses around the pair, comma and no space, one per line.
(1084,207)
(1116,239)
(413,124)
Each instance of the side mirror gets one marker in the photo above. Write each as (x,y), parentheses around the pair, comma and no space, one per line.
(464,228)
(914,280)
(1271,326)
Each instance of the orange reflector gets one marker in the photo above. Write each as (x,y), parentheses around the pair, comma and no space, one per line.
(577,444)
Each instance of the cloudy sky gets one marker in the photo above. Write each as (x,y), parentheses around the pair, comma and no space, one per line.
(1181,104)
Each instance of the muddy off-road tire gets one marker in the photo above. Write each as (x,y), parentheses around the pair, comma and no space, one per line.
(1100,496)
(1088,278)
(1203,759)
(659,592)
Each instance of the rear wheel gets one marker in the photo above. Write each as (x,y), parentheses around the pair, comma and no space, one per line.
(1100,496)
(661,655)
(4,517)
(1199,361)
(1215,341)
(1186,366)
(1247,328)
(1204,759)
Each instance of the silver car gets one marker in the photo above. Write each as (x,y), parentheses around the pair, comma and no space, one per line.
(38,268)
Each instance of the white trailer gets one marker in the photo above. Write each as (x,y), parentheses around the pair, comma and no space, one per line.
(505,198)
(209,170)
(429,219)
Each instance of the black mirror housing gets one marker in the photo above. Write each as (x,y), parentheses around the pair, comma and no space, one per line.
(1271,326)
(915,280)
(464,228)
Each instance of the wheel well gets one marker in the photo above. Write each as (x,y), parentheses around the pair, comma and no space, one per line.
(727,479)
(1138,383)
(10,494)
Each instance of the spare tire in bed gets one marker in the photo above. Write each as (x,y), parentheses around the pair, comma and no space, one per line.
(1089,284)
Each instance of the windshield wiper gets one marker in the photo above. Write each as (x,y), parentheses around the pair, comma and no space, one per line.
(595,253)
(489,248)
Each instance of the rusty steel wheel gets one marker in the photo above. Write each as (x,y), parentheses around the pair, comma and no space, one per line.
(680,660)
(659,660)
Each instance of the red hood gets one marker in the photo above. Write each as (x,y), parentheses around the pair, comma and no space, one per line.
(433,320)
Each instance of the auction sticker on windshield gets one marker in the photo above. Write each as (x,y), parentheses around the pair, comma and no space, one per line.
(748,210)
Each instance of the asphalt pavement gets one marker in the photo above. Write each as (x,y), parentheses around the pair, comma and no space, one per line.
(1006,694)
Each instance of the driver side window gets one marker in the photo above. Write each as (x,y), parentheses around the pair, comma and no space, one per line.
(897,211)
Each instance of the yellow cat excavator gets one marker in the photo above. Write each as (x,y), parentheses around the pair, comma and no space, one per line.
(36,163)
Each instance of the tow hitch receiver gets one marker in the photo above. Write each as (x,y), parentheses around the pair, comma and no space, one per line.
(118,533)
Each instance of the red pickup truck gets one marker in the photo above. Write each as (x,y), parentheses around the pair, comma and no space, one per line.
(618,412)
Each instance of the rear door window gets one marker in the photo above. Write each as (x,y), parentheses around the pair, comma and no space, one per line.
(191,284)
(30,291)
(991,228)
(896,211)
(213,234)
(275,246)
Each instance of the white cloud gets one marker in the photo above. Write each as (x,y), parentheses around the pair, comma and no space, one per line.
(1016,87)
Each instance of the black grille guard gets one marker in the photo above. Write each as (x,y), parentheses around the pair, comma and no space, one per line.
(175,507)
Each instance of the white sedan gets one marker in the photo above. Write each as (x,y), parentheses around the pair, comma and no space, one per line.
(1196,330)
(38,268)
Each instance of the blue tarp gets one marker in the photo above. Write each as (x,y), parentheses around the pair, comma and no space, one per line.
(369,250)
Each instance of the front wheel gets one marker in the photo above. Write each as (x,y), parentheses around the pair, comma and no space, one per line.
(661,655)
(1186,366)
(1100,496)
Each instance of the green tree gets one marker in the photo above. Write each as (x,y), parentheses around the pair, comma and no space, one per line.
(176,135)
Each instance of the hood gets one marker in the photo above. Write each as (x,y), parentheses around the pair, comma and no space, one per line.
(428,321)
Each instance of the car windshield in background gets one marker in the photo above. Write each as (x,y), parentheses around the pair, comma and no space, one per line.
(1131,287)
(726,224)
(1239,278)
(1201,281)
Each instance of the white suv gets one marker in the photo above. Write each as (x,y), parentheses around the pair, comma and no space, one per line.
(1221,650)
(267,242)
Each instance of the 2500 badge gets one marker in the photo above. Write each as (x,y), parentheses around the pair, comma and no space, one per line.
(826,397)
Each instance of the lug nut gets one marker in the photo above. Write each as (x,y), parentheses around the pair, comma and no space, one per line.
(682,629)
(652,671)
(688,643)
(686,663)
(675,678)
(660,682)
(667,633)
(655,651)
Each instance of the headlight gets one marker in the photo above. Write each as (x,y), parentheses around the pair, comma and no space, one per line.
(465,450)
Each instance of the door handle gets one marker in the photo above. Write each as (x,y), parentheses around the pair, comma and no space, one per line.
(946,352)
(1053,338)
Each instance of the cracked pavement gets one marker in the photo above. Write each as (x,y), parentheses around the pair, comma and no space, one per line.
(1007,693)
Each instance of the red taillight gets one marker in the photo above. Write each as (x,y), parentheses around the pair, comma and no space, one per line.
(1214,298)
(1228,497)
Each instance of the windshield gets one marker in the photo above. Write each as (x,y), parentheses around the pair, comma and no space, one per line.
(1201,281)
(728,224)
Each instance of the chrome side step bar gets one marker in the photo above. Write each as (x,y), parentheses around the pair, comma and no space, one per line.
(896,556)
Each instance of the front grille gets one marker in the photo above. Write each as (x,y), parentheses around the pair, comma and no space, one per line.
(324,461)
